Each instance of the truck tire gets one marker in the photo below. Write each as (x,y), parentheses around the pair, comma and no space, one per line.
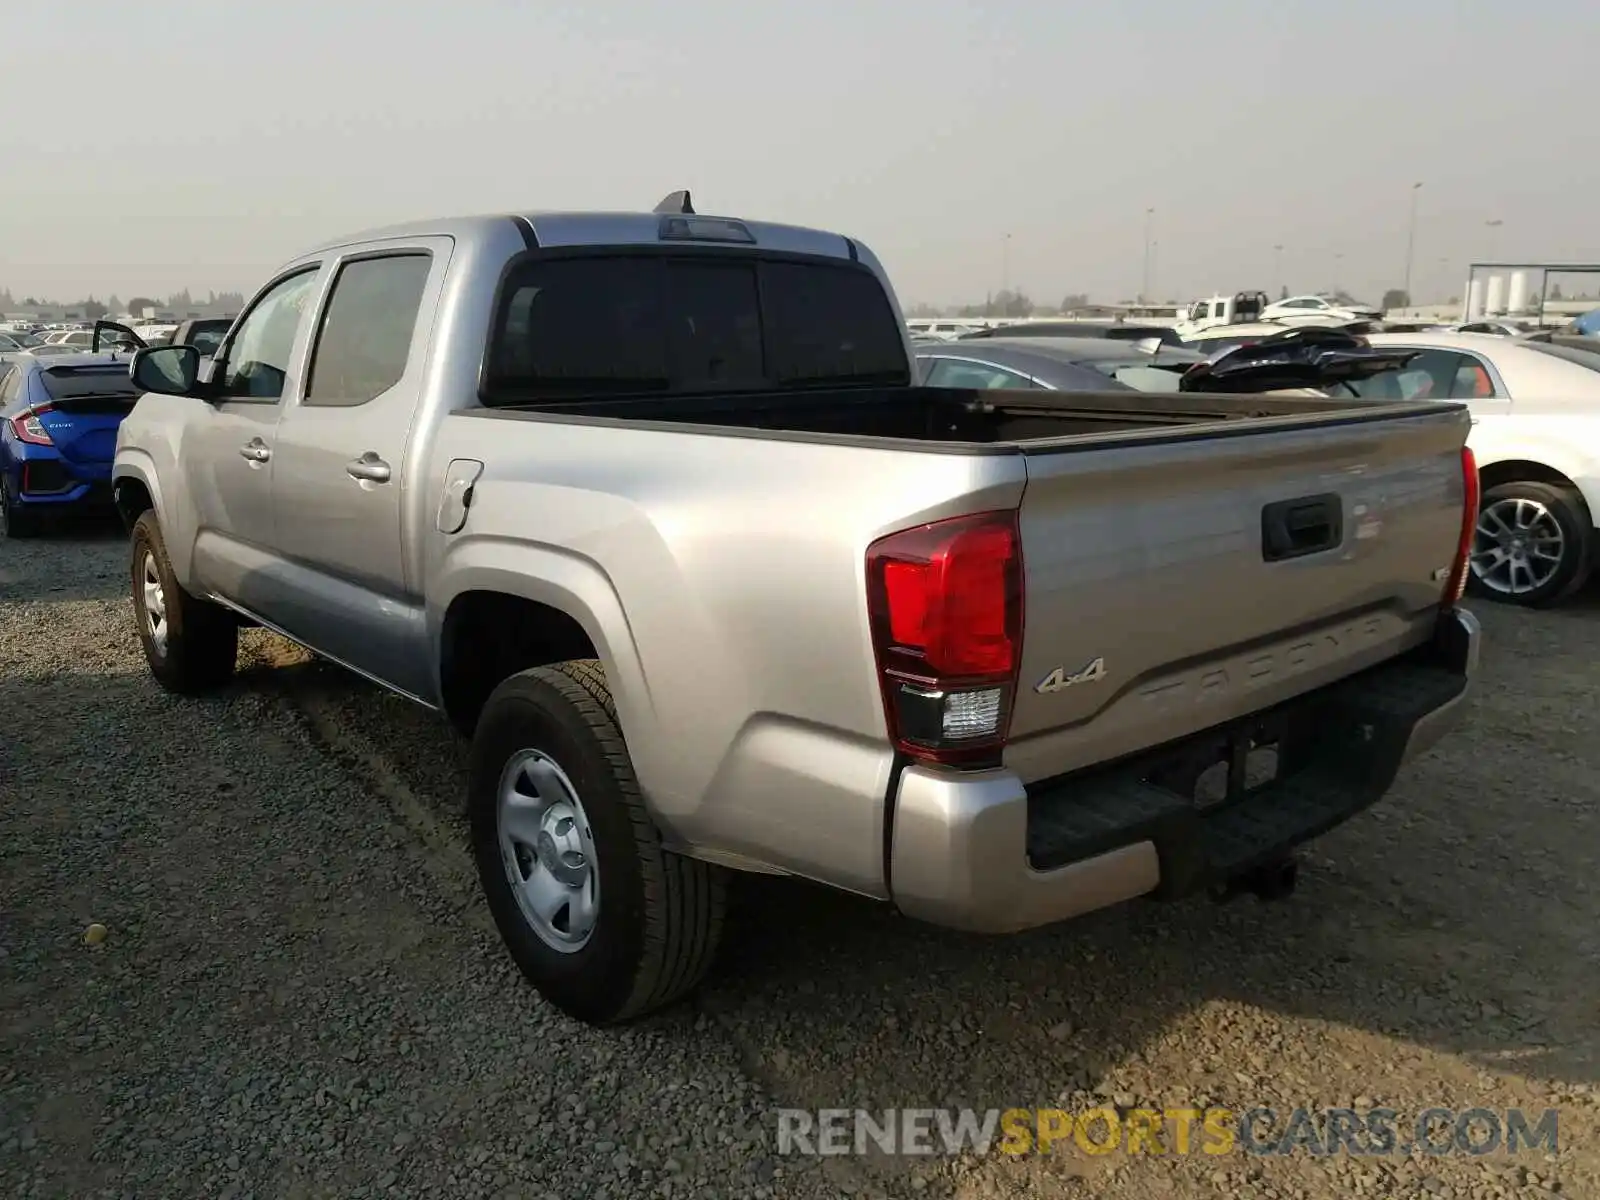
(191,644)
(16,521)
(1510,518)
(603,921)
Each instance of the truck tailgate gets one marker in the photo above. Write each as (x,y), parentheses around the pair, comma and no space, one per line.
(1176,581)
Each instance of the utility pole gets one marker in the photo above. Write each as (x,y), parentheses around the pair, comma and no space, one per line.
(1411,240)
(1149,217)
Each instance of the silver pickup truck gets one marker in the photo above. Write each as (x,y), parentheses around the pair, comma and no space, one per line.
(652,508)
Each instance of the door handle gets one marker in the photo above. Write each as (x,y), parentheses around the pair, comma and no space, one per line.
(369,468)
(256,451)
(1307,525)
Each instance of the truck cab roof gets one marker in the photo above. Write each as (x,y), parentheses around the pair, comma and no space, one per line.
(551,229)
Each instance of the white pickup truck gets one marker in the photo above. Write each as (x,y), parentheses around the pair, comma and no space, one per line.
(650,506)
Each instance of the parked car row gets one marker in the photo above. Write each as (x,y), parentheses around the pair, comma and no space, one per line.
(62,401)
(1535,404)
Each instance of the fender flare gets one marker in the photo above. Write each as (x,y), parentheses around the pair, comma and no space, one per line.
(573,584)
(137,465)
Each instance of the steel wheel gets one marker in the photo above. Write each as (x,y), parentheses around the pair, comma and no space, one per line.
(154,598)
(1517,546)
(548,851)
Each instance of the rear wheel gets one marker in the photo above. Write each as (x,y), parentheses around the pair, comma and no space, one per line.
(597,915)
(1531,545)
(191,644)
(16,521)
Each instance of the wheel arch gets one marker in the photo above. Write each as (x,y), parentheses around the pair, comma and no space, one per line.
(1529,465)
(135,490)
(531,607)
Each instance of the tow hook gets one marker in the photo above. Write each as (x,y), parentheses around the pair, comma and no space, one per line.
(1273,880)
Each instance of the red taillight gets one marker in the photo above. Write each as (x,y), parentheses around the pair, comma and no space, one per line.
(1457,583)
(28,428)
(945,602)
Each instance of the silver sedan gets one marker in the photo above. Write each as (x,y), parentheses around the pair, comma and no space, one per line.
(1057,364)
(1536,435)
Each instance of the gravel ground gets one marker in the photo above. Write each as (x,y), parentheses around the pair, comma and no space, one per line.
(300,994)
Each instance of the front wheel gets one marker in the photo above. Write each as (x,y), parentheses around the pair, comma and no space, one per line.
(603,921)
(191,644)
(1531,544)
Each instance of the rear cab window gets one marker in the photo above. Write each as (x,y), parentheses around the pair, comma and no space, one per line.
(630,324)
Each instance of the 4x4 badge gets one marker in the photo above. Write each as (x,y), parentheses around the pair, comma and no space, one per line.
(1058,680)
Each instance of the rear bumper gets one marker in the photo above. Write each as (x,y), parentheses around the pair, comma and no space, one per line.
(47,479)
(983,852)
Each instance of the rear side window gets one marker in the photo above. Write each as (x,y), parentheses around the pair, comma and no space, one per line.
(627,325)
(10,383)
(955,373)
(365,337)
(1431,375)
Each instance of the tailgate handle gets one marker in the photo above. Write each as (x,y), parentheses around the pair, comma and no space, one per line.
(1307,525)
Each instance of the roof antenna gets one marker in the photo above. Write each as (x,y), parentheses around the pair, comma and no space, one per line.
(676,202)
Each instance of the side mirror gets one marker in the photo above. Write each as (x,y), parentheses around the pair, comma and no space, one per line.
(166,370)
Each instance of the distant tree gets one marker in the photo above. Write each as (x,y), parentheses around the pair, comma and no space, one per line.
(93,310)
(1074,300)
(1555,291)
(180,301)
(1396,298)
(916,310)
(1012,304)
(5,299)
(138,304)
(1283,292)
(30,302)
(114,304)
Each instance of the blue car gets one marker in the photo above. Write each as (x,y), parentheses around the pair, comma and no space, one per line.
(58,432)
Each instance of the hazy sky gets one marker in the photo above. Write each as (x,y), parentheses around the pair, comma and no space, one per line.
(150,147)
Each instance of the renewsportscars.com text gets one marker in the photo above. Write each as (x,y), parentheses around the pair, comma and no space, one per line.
(1180,1131)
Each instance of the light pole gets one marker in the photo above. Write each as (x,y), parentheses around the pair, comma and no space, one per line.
(1411,240)
(1005,270)
(1149,217)
(1494,237)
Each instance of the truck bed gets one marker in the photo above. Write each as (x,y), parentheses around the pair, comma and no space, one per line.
(1220,553)
(963,418)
